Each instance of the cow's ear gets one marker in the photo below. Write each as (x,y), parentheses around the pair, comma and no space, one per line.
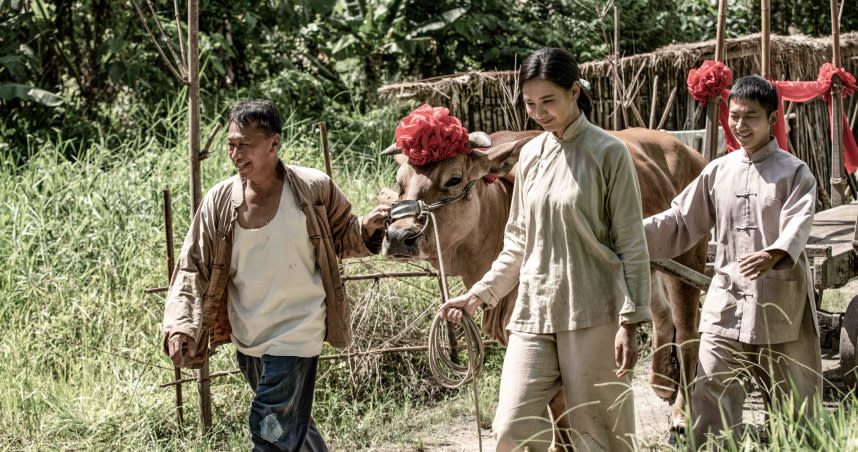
(479,140)
(496,161)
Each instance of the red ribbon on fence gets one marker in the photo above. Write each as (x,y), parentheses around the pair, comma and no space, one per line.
(713,77)
(805,91)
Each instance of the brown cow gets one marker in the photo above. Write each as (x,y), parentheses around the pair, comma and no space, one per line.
(471,233)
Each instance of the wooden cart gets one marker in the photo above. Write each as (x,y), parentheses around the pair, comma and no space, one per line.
(833,253)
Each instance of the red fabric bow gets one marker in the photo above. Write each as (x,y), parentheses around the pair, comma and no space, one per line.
(712,80)
(805,91)
(430,134)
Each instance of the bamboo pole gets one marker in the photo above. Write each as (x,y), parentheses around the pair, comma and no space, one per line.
(838,173)
(168,230)
(713,106)
(666,112)
(616,80)
(765,57)
(653,101)
(203,381)
(323,131)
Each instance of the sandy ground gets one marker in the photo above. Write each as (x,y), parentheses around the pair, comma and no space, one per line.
(652,416)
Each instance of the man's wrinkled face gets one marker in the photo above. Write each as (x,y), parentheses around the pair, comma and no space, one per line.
(252,151)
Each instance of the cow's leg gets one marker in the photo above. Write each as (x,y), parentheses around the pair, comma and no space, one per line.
(661,377)
(685,310)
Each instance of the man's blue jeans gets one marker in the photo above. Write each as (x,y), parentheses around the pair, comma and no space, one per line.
(280,416)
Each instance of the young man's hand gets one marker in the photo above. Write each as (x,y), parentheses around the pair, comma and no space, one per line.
(756,264)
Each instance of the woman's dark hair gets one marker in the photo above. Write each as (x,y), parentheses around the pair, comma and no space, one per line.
(754,87)
(259,113)
(558,66)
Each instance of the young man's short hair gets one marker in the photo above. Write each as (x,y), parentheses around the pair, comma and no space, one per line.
(754,87)
(259,113)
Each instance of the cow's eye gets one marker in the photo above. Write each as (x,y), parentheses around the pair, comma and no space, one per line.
(453,182)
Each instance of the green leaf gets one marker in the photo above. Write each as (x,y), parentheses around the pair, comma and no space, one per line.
(116,70)
(251,20)
(222,43)
(10,91)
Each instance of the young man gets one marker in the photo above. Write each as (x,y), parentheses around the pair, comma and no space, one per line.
(259,267)
(759,317)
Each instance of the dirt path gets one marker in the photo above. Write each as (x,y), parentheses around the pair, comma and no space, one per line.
(651,413)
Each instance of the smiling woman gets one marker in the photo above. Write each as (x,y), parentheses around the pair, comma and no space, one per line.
(569,301)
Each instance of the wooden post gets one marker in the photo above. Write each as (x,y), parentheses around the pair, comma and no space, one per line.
(323,131)
(203,381)
(653,101)
(838,173)
(168,230)
(765,58)
(713,106)
(616,80)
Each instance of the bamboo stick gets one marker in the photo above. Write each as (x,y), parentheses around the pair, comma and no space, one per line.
(381,351)
(713,106)
(203,383)
(616,78)
(653,101)
(323,131)
(168,231)
(664,114)
(765,60)
(838,173)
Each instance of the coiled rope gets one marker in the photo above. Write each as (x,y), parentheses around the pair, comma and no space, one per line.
(440,351)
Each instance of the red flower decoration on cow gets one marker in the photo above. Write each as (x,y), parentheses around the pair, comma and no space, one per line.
(710,80)
(430,134)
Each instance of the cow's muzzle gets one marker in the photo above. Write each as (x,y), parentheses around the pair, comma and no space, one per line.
(402,242)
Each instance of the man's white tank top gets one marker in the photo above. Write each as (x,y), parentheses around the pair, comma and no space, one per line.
(276,296)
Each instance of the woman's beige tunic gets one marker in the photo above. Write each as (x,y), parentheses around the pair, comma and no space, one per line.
(574,239)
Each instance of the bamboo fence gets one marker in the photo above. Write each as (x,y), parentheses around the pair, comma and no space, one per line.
(488,101)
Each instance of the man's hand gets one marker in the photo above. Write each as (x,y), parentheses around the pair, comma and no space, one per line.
(756,264)
(375,219)
(452,309)
(178,345)
(626,349)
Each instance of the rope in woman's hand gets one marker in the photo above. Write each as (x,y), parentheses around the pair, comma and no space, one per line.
(458,374)
(473,341)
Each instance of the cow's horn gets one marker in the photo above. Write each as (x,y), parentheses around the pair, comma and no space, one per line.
(393,149)
(479,140)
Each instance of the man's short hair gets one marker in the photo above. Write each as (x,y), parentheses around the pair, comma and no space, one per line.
(259,113)
(754,87)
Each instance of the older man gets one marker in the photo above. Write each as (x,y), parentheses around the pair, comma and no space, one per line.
(259,267)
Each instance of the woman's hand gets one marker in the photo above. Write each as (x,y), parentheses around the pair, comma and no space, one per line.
(626,349)
(452,309)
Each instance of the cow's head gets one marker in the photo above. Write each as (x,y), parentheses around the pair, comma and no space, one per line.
(462,201)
